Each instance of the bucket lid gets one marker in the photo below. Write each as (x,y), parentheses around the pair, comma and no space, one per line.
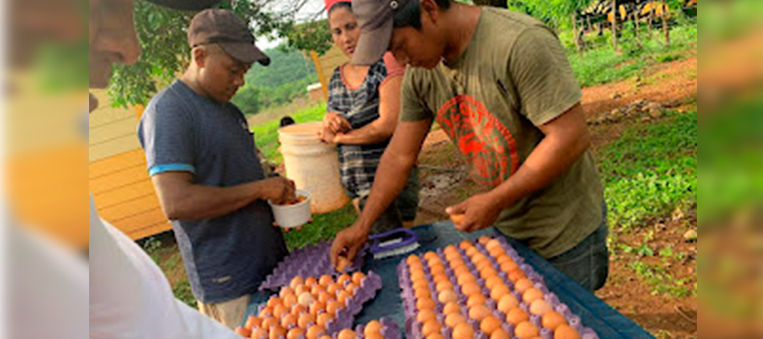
(305,132)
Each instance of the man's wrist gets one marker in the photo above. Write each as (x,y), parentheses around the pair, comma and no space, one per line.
(503,195)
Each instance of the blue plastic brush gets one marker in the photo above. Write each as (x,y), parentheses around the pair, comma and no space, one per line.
(393,243)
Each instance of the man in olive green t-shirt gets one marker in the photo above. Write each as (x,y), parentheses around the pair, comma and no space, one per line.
(499,84)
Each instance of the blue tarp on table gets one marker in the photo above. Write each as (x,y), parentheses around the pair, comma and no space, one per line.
(594,313)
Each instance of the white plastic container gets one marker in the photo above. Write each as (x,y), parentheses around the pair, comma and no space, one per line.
(290,216)
(313,165)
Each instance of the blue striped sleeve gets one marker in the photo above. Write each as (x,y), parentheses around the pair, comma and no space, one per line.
(171,168)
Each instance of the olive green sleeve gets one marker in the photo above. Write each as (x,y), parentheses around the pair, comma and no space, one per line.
(542,76)
(411,100)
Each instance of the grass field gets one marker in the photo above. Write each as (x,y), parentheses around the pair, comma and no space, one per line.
(603,64)
(266,133)
(651,170)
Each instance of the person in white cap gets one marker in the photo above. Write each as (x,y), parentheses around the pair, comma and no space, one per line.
(500,85)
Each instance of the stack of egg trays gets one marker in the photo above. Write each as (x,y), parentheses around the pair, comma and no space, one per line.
(309,261)
(413,327)
(352,306)
(389,330)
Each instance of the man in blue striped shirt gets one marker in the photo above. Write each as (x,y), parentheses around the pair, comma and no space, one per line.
(203,163)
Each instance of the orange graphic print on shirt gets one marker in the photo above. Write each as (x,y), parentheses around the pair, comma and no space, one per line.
(487,144)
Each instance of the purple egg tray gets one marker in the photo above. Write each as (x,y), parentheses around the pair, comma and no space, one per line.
(413,326)
(345,316)
(389,330)
(309,261)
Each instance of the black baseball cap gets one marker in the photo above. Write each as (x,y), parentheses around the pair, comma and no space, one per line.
(225,28)
(185,5)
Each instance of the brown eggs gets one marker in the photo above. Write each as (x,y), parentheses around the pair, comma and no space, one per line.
(489,324)
(463,331)
(305,319)
(290,300)
(516,274)
(323,319)
(244,332)
(499,334)
(507,303)
(516,316)
(475,299)
(296,281)
(540,307)
(358,277)
(447,296)
(286,290)
(498,291)
(276,332)
(372,326)
(425,315)
(566,332)
(279,311)
(314,332)
(531,295)
(425,304)
(317,306)
(342,297)
(526,330)
(453,319)
(259,333)
(253,321)
(430,326)
(451,307)
(305,299)
(522,285)
(295,333)
(325,297)
(552,320)
(479,312)
(332,307)
(470,288)
(288,320)
(346,334)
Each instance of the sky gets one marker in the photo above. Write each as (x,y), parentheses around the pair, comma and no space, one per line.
(308,11)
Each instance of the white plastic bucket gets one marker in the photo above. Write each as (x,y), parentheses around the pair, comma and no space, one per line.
(313,165)
(290,216)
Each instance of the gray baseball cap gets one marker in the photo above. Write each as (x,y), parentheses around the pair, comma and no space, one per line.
(225,28)
(375,18)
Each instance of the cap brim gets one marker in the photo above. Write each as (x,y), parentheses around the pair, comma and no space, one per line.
(245,52)
(372,44)
(186,5)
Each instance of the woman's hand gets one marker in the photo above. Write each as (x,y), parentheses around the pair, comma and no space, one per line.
(336,123)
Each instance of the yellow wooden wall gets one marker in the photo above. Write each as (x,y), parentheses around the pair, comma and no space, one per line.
(118,177)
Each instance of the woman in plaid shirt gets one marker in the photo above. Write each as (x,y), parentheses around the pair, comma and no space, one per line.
(363,109)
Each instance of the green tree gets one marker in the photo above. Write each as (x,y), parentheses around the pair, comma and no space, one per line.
(162,36)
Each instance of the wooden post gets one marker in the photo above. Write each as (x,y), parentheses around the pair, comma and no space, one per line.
(319,70)
(614,24)
(665,23)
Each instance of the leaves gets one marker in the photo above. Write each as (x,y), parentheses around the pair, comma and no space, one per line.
(165,50)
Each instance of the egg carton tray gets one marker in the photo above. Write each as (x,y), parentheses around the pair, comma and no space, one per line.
(309,261)
(345,316)
(389,330)
(413,326)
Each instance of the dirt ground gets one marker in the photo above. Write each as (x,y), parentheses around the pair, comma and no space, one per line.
(445,181)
